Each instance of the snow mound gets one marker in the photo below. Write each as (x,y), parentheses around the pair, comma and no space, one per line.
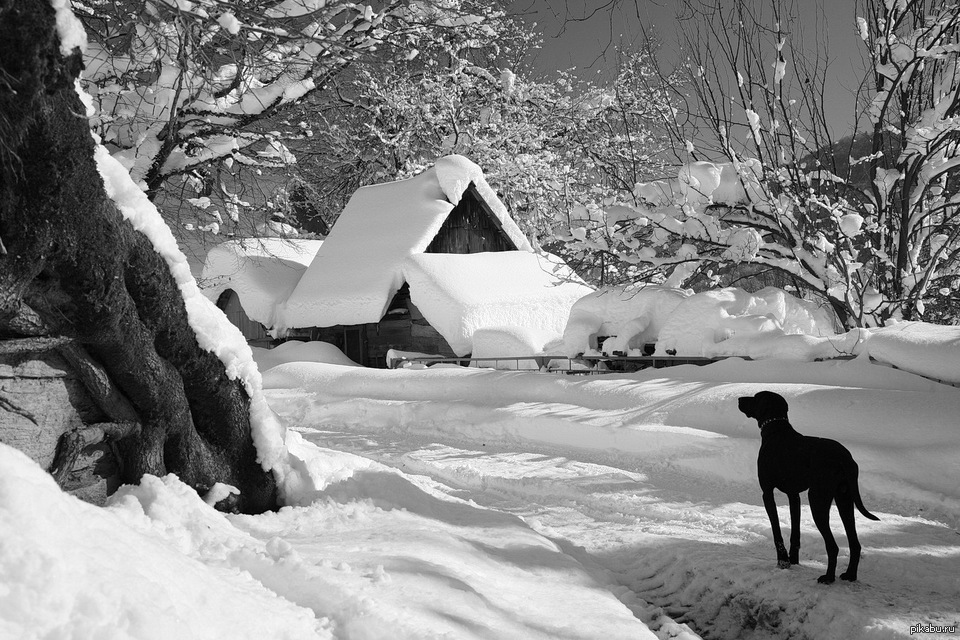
(72,570)
(633,316)
(928,349)
(297,351)
(706,319)
(370,553)
(499,342)
(459,294)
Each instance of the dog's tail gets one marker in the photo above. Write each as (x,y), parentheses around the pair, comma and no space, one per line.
(857,500)
(852,473)
(855,486)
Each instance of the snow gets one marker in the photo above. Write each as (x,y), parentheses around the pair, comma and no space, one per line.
(297,351)
(702,182)
(375,554)
(360,266)
(922,348)
(459,294)
(144,568)
(633,316)
(707,319)
(721,322)
(262,272)
(500,342)
(69,29)
(474,503)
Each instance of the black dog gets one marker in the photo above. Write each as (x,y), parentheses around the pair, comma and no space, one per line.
(794,463)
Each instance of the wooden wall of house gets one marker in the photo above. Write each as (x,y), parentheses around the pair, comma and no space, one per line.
(471,228)
(403,328)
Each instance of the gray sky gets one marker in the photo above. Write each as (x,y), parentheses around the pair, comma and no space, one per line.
(582,44)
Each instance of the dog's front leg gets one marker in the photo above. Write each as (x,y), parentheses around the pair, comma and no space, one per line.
(794,527)
(770,504)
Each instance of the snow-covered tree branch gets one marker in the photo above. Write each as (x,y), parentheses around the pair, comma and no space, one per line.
(179,83)
(869,223)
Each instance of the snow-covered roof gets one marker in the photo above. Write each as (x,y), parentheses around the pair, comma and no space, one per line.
(262,271)
(459,294)
(359,268)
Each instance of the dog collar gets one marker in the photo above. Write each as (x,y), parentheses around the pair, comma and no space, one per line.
(770,420)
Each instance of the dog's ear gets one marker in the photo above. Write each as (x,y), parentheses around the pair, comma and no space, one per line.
(746,405)
(771,405)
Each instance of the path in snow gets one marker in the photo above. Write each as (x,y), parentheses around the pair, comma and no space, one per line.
(698,549)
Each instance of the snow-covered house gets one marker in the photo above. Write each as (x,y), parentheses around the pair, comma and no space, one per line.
(414,265)
(420,264)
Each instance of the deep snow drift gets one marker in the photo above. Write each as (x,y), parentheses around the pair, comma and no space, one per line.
(372,554)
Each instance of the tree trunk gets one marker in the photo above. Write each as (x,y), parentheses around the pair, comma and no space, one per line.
(71,257)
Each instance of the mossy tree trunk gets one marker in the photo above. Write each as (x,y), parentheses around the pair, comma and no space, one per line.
(67,254)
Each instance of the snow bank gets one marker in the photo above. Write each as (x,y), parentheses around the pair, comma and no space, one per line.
(359,268)
(928,349)
(297,351)
(705,319)
(768,324)
(723,322)
(72,570)
(262,271)
(373,553)
(500,342)
(459,294)
(633,316)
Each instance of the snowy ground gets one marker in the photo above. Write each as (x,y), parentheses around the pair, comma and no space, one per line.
(465,503)
(650,478)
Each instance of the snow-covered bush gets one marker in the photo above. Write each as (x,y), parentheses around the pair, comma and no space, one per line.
(686,324)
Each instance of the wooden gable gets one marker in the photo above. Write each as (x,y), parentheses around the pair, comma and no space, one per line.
(471,228)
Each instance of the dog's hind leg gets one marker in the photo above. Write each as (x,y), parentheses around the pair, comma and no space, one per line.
(820,502)
(794,528)
(845,507)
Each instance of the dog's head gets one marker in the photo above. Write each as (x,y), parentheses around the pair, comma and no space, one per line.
(763,406)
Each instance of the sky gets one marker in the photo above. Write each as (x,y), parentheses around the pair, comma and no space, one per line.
(578,34)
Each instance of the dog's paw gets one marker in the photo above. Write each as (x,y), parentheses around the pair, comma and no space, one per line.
(849,577)
(826,579)
(783,563)
(794,557)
